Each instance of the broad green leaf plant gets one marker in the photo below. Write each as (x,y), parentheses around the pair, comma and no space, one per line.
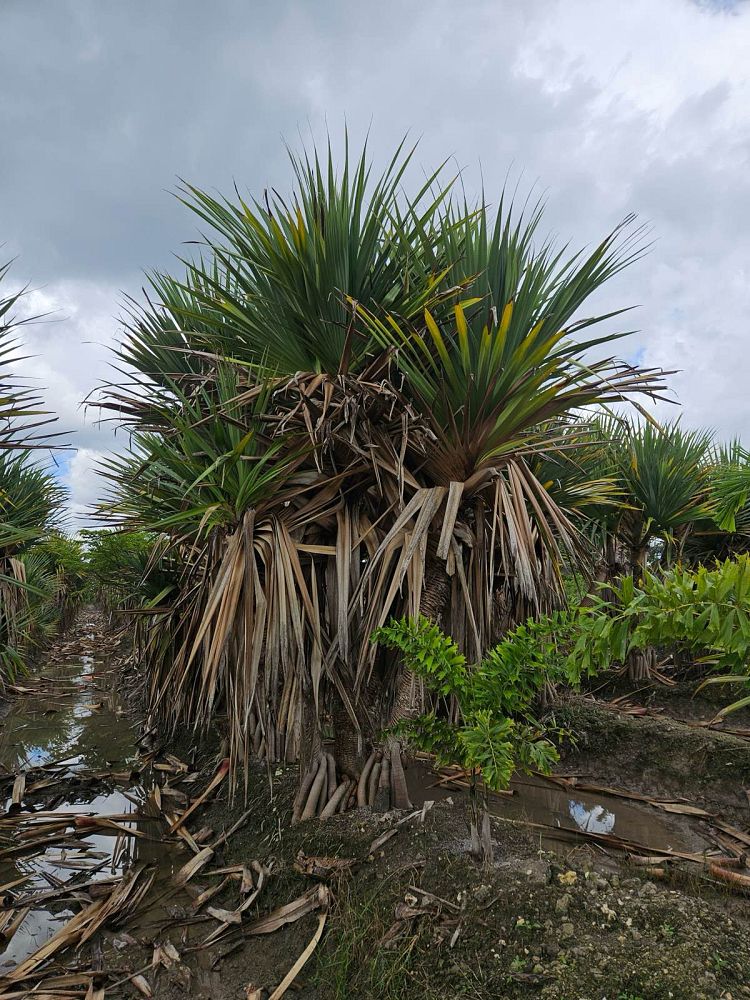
(705,612)
(493,730)
(497,731)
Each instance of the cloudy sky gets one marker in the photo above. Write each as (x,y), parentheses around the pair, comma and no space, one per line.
(606,107)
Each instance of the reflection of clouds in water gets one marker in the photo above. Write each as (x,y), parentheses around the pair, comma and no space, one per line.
(63,727)
(35,928)
(102,856)
(597,819)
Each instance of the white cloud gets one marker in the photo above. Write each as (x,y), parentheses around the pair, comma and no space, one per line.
(67,352)
(608,107)
(84,486)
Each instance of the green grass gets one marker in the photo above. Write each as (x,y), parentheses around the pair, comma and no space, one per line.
(354,964)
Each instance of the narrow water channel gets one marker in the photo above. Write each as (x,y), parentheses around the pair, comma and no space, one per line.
(558,811)
(68,736)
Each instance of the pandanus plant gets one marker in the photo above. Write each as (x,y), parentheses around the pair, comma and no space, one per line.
(30,497)
(725,531)
(336,416)
(662,475)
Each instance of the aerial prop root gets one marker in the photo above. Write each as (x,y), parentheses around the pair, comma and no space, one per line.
(324,793)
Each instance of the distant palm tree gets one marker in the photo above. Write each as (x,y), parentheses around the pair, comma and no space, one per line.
(662,479)
(727,531)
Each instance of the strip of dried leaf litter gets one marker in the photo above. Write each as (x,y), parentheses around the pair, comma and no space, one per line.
(121,903)
(220,775)
(679,806)
(609,840)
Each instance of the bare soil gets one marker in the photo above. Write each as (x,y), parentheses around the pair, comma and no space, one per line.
(563,922)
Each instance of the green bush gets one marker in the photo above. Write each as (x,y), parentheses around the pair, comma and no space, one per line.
(497,731)
(124,568)
(704,611)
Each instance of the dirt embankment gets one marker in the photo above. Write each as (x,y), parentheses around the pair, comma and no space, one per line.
(403,912)
(658,754)
(561,921)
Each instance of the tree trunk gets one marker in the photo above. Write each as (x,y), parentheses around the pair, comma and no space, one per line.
(409,691)
(640,664)
(353,747)
(479,826)
(348,749)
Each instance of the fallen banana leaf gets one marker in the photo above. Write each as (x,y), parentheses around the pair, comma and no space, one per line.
(19,787)
(69,934)
(247,884)
(682,810)
(263,874)
(180,766)
(667,805)
(38,846)
(183,833)
(740,835)
(142,985)
(16,919)
(14,883)
(166,954)
(77,892)
(228,870)
(225,916)
(101,823)
(124,899)
(209,894)
(290,912)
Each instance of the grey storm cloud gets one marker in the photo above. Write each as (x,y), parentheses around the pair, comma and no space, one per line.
(605,108)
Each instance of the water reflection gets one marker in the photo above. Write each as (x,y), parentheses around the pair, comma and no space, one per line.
(77,721)
(538,801)
(595,819)
(74,720)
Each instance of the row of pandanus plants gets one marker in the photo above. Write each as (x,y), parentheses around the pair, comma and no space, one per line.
(46,572)
(42,569)
(356,407)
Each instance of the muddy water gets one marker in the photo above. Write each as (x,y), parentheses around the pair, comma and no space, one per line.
(534,800)
(74,725)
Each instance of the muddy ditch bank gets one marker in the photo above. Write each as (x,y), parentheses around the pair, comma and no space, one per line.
(82,847)
(415,917)
(658,754)
(602,887)
(130,867)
